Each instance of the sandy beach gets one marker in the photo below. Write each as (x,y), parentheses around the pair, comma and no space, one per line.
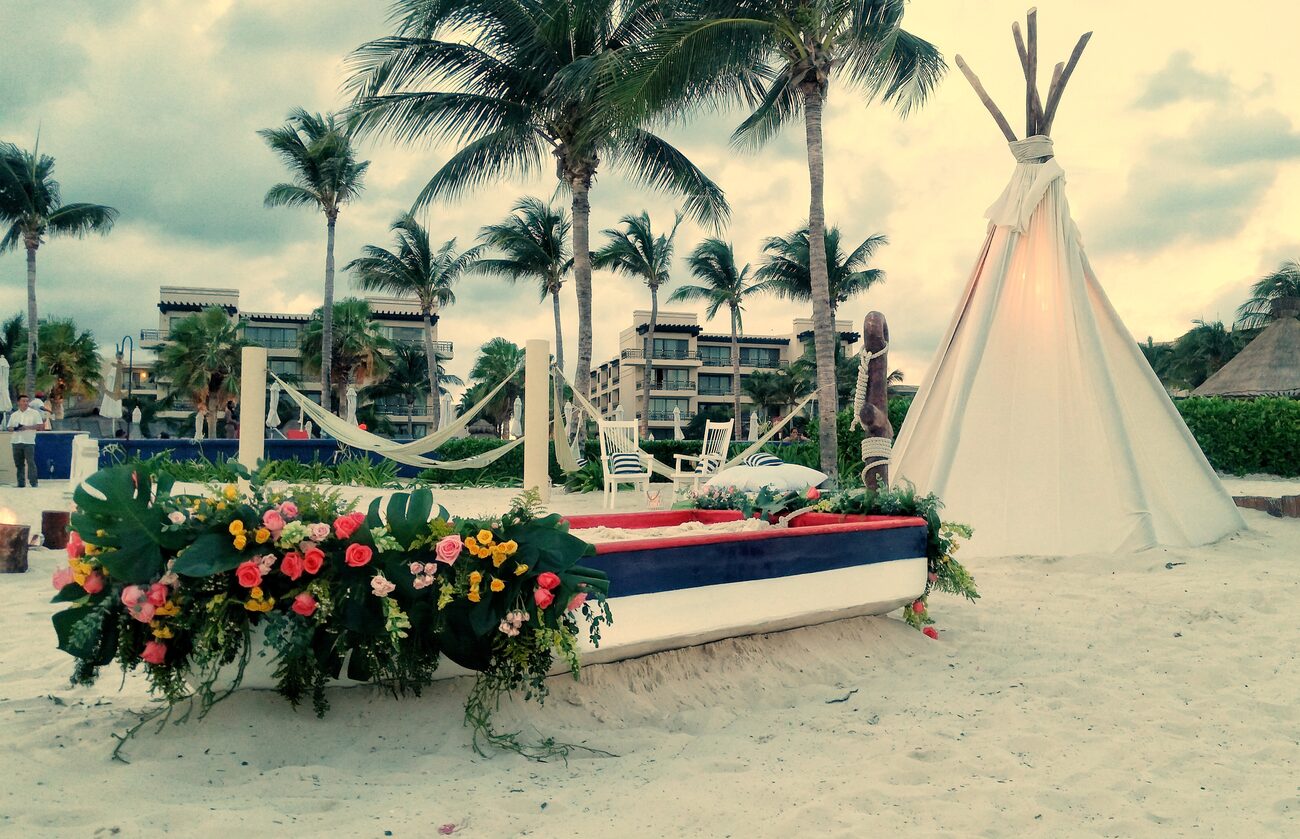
(1132,695)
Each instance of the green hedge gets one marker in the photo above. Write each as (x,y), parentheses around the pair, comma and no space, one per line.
(1240,436)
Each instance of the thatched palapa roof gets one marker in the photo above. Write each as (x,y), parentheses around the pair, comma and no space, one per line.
(1269,365)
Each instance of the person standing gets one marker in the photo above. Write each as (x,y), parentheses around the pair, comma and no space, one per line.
(24,423)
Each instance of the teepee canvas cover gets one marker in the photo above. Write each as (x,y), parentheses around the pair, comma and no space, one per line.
(1039,422)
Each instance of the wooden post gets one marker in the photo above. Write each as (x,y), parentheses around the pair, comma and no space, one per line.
(13,548)
(252,406)
(987,100)
(537,410)
(875,413)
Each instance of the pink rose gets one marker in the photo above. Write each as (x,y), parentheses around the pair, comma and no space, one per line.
(292,565)
(176,517)
(94,584)
(381,586)
(416,568)
(304,604)
(345,526)
(918,607)
(63,577)
(249,574)
(448,549)
(575,602)
(289,510)
(813,494)
(76,547)
(422,582)
(931,632)
(933,577)
(155,652)
(319,531)
(358,555)
(273,521)
(158,594)
(131,595)
(543,598)
(143,611)
(312,560)
(547,580)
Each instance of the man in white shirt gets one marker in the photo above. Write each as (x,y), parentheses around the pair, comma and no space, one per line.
(24,423)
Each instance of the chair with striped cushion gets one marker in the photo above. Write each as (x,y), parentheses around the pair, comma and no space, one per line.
(717,442)
(621,458)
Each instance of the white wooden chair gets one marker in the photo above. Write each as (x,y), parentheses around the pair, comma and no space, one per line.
(717,442)
(621,458)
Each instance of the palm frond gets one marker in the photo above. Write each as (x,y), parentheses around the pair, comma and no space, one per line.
(650,160)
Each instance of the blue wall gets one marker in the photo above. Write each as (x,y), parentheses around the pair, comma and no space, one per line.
(324,451)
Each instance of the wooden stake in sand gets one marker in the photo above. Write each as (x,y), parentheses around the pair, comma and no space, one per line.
(13,548)
(537,406)
(875,412)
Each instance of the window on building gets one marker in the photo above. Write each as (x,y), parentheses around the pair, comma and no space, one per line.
(671,347)
(661,407)
(714,385)
(272,337)
(760,356)
(404,334)
(714,356)
(284,366)
(673,379)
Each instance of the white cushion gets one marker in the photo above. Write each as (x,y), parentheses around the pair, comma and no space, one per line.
(787,476)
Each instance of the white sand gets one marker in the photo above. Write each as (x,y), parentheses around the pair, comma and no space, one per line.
(599,535)
(1088,696)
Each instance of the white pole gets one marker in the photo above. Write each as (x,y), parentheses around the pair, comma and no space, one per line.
(252,406)
(537,408)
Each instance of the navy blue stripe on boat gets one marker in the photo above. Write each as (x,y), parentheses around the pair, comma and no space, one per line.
(673,568)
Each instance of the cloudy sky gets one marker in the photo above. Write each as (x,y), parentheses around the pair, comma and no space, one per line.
(1180,135)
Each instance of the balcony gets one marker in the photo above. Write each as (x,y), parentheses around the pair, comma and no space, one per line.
(714,390)
(275,343)
(688,387)
(760,364)
(745,361)
(402,410)
(152,337)
(679,355)
(667,416)
(442,348)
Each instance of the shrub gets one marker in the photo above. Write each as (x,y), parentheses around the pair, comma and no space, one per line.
(1240,436)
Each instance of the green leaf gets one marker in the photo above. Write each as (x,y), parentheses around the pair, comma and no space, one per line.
(70,593)
(211,553)
(87,632)
(408,515)
(129,519)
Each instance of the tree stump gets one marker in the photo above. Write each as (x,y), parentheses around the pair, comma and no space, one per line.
(54,528)
(13,548)
(874,415)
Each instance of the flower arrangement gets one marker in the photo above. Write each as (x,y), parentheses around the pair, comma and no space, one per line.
(945,573)
(188,587)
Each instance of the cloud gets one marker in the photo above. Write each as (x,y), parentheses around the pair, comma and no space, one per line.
(1180,81)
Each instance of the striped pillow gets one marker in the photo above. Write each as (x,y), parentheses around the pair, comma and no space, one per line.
(625,463)
(708,464)
(763,459)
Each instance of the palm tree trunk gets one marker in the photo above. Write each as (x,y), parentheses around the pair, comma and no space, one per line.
(410,416)
(823,326)
(432,356)
(33,326)
(559,330)
(327,317)
(582,280)
(212,413)
(735,366)
(649,360)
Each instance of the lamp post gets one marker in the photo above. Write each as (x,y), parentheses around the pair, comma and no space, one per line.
(127,345)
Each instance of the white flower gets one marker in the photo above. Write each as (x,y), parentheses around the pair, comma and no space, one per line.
(380,586)
(176,517)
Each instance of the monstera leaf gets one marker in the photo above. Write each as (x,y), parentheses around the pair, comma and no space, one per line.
(408,515)
(120,512)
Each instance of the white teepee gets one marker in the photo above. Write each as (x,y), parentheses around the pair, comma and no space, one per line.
(1039,423)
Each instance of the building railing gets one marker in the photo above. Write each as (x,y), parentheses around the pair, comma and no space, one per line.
(403,410)
(676,386)
(276,343)
(714,390)
(667,416)
(745,361)
(664,355)
(762,365)
(153,334)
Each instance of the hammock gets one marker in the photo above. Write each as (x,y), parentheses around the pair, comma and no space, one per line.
(405,453)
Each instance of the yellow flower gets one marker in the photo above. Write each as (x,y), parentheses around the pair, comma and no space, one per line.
(520,569)
(91,550)
(221,505)
(497,585)
(236,527)
(260,605)
(474,596)
(255,592)
(231,492)
(485,536)
(510,547)
(101,532)
(168,609)
(475,578)
(261,535)
(498,556)
(472,544)
(161,631)
(240,541)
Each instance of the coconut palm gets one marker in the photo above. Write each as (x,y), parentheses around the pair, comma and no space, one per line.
(416,270)
(780,56)
(31,211)
(1257,310)
(534,245)
(408,379)
(358,347)
(498,360)
(787,267)
(1201,351)
(635,251)
(714,263)
(761,388)
(516,83)
(326,175)
(69,363)
(201,361)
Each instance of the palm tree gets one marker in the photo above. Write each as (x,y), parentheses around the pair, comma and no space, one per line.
(408,379)
(326,175)
(534,243)
(32,210)
(69,363)
(497,360)
(515,83)
(761,388)
(358,347)
(1201,351)
(201,361)
(636,252)
(787,267)
(1257,310)
(779,56)
(714,262)
(13,340)
(416,270)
